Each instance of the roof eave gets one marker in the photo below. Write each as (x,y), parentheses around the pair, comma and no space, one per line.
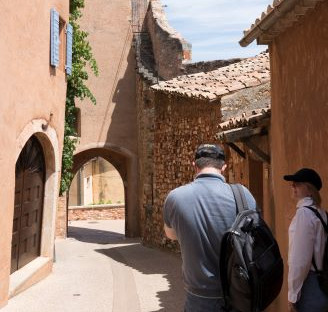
(264,25)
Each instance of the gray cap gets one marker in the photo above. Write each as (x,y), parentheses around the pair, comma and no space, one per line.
(210,151)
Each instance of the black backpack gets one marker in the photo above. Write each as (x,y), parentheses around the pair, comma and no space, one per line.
(251,266)
(323,274)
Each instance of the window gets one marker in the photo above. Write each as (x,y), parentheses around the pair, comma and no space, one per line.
(61,43)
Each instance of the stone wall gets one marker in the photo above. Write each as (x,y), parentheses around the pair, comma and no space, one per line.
(180,125)
(96,212)
(145,100)
(170,49)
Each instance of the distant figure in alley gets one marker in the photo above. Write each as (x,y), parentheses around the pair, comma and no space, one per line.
(197,215)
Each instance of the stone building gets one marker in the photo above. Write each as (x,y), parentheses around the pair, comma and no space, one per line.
(135,47)
(185,112)
(296,32)
(33,91)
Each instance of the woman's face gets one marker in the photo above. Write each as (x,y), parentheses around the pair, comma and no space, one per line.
(299,190)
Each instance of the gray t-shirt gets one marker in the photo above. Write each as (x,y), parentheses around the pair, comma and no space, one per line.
(200,213)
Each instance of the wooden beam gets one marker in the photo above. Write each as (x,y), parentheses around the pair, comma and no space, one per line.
(262,155)
(237,134)
(236,149)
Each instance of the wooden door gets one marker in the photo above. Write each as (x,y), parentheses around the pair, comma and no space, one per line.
(29,192)
(256,180)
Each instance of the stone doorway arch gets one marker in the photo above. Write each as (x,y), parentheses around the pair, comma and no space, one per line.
(125,163)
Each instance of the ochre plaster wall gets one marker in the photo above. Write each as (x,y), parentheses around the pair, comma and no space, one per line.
(30,89)
(299,59)
(111,125)
(113,119)
(107,184)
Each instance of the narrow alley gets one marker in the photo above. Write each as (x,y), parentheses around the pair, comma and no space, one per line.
(97,269)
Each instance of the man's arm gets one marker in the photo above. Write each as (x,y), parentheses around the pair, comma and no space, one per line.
(249,198)
(170,232)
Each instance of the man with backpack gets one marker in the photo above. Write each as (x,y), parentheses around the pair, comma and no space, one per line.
(198,215)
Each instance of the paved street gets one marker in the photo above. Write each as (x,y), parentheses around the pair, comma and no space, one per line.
(98,270)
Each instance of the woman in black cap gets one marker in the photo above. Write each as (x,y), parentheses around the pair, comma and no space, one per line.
(307,239)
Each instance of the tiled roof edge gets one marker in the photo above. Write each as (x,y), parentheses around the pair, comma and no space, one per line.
(170,87)
(251,117)
(268,23)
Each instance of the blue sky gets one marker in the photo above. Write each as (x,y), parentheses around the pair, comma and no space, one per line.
(214,27)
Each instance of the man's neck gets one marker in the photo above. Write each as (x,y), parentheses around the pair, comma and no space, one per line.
(209,170)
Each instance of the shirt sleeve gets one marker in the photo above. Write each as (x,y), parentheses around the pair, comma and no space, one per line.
(250,199)
(169,209)
(300,252)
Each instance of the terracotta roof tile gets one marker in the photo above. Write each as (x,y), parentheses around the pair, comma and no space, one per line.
(246,73)
(248,118)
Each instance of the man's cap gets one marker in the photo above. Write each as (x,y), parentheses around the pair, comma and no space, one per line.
(210,151)
(306,175)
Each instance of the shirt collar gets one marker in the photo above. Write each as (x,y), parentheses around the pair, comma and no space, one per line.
(306,201)
(210,175)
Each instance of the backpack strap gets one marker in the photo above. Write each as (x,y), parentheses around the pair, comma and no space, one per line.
(316,212)
(325,226)
(239,195)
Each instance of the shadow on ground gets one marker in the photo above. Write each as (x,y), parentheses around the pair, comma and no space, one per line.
(151,262)
(95,236)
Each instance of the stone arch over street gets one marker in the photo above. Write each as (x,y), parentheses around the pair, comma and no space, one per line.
(126,164)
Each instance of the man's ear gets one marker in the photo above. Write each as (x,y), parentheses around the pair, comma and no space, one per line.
(195,167)
(224,167)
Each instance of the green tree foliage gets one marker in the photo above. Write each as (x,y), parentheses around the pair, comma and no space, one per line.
(76,89)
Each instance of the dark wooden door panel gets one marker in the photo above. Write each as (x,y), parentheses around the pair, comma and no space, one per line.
(29,193)
(17,220)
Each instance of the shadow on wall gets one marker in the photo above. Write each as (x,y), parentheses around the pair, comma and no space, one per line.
(163,293)
(123,127)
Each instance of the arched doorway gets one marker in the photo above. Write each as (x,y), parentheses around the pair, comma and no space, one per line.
(28,206)
(126,164)
(96,192)
(97,182)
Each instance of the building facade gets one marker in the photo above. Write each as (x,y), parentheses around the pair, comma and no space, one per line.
(296,33)
(182,113)
(134,47)
(33,91)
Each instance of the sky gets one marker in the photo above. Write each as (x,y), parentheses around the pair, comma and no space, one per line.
(214,27)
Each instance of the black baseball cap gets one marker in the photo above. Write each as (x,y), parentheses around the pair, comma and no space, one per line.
(210,151)
(306,175)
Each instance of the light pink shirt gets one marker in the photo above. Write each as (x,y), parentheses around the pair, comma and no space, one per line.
(307,237)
